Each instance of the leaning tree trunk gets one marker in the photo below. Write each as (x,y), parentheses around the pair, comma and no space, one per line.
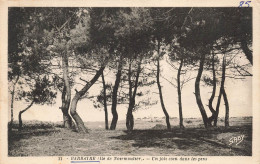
(179,94)
(167,118)
(197,91)
(217,107)
(12,103)
(129,116)
(114,95)
(223,92)
(105,101)
(227,108)
(246,50)
(78,95)
(20,116)
(213,92)
(221,89)
(66,94)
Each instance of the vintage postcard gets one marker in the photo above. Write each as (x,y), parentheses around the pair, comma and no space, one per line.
(112,81)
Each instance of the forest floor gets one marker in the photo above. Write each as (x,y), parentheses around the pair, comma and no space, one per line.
(150,138)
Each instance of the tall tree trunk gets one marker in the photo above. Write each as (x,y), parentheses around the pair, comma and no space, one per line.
(217,107)
(130,117)
(12,107)
(114,95)
(197,91)
(221,88)
(246,50)
(179,94)
(78,95)
(67,120)
(66,94)
(213,92)
(167,118)
(20,116)
(12,103)
(105,101)
(227,108)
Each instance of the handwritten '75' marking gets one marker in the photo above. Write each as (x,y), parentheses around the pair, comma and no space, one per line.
(237,140)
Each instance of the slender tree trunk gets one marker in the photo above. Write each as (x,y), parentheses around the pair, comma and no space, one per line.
(227,108)
(114,95)
(66,94)
(217,107)
(105,101)
(12,103)
(179,94)
(130,117)
(167,118)
(20,116)
(221,89)
(12,107)
(78,95)
(197,91)
(213,92)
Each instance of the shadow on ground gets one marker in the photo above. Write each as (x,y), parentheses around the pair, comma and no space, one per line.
(186,139)
(52,140)
(29,132)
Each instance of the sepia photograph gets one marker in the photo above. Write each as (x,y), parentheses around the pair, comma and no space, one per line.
(96,79)
(131,83)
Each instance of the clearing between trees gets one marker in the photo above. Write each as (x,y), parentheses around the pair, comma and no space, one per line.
(149,138)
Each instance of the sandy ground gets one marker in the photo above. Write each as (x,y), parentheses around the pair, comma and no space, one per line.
(148,139)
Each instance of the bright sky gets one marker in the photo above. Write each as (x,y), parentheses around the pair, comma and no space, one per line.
(239,94)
